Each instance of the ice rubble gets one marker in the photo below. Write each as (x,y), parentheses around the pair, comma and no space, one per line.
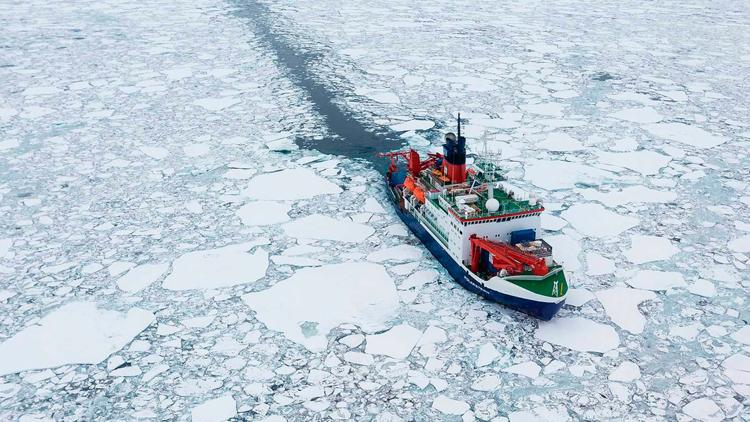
(78,332)
(324,297)
(215,268)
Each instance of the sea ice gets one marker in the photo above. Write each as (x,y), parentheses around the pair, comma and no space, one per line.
(565,250)
(742,335)
(397,342)
(141,277)
(216,104)
(78,332)
(318,226)
(598,265)
(704,410)
(300,183)
(649,248)
(627,371)
(324,297)
(528,369)
(631,194)
(740,244)
(578,333)
(687,134)
(413,125)
(656,280)
(450,406)
(215,268)
(621,305)
(645,162)
(638,115)
(540,414)
(215,410)
(561,142)
(5,245)
(578,297)
(552,223)
(594,220)
(156,153)
(487,354)
(554,175)
(399,253)
(263,213)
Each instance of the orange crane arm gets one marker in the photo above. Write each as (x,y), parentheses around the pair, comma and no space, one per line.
(509,258)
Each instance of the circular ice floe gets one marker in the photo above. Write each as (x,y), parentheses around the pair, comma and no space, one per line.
(306,306)
(578,334)
(298,183)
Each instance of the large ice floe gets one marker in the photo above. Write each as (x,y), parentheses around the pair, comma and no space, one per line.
(190,231)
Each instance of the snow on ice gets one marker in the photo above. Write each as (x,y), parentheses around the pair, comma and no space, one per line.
(621,305)
(596,221)
(300,183)
(318,226)
(578,333)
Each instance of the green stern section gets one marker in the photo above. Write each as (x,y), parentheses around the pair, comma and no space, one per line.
(553,284)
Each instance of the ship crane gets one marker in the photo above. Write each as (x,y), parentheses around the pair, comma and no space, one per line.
(505,257)
(416,166)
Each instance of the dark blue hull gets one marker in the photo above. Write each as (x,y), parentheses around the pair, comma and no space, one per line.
(542,310)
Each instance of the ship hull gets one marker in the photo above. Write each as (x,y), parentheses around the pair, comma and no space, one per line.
(541,309)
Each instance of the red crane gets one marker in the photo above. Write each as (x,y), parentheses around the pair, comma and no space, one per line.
(506,257)
(416,166)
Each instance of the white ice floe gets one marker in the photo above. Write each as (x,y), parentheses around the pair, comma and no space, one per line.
(686,134)
(487,354)
(552,223)
(553,174)
(561,142)
(540,414)
(638,115)
(631,194)
(359,358)
(300,183)
(737,368)
(644,162)
(598,265)
(156,153)
(397,342)
(215,268)
(702,287)
(578,297)
(450,406)
(528,369)
(5,245)
(141,277)
(196,150)
(565,250)
(545,109)
(372,205)
(742,335)
(215,410)
(399,253)
(318,226)
(594,220)
(413,125)
(740,244)
(78,332)
(578,333)
(418,279)
(704,410)
(486,382)
(621,305)
(216,104)
(263,213)
(324,297)
(627,371)
(656,280)
(649,248)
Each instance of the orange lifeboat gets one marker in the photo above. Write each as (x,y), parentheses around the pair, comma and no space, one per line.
(419,194)
(409,184)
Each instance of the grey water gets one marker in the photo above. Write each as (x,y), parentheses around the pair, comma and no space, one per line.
(349,136)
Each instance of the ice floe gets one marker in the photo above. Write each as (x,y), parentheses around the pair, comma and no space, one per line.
(288,184)
(553,174)
(450,406)
(397,342)
(78,332)
(740,244)
(638,115)
(318,226)
(578,333)
(324,297)
(627,371)
(263,213)
(397,253)
(596,221)
(644,162)
(686,134)
(215,268)
(621,305)
(656,280)
(141,277)
(644,248)
(215,410)
(704,410)
(628,195)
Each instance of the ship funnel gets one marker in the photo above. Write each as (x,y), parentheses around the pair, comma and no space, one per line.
(454,150)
